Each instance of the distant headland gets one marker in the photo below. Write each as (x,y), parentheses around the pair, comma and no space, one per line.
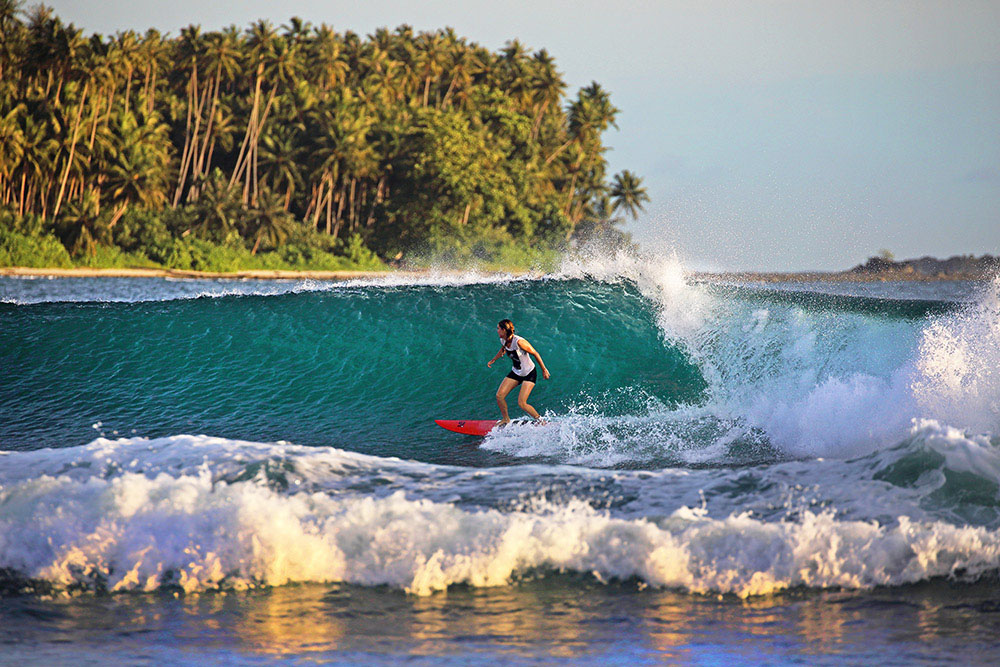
(884,267)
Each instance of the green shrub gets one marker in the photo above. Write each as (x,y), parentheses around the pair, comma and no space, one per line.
(360,256)
(113,257)
(144,232)
(164,239)
(41,251)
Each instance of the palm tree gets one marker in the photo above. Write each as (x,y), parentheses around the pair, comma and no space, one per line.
(430,60)
(12,30)
(268,221)
(73,45)
(11,147)
(80,227)
(128,49)
(152,53)
(323,58)
(329,126)
(280,156)
(138,174)
(546,87)
(191,51)
(222,57)
(261,41)
(628,194)
(277,62)
(218,208)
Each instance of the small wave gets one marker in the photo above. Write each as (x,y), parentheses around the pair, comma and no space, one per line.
(138,290)
(138,533)
(202,513)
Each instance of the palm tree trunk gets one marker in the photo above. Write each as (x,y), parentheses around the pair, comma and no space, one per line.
(538,120)
(330,229)
(20,205)
(193,149)
(350,211)
(572,191)
(256,139)
(238,169)
(201,167)
(318,198)
(128,88)
(72,148)
(118,215)
(375,201)
(93,126)
(558,151)
(451,86)
(151,97)
(192,96)
(337,220)
(341,199)
(211,150)
(145,83)
(312,202)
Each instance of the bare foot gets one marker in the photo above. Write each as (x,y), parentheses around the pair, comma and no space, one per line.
(503,422)
(541,422)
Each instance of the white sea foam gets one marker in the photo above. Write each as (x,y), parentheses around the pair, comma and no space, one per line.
(958,365)
(135,514)
(132,290)
(816,383)
(137,533)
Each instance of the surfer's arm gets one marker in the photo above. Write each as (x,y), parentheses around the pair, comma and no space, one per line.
(526,346)
(489,364)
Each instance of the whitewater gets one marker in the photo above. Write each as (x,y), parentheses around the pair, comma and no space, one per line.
(706,442)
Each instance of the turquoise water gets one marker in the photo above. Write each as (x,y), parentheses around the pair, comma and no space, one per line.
(365,369)
(237,471)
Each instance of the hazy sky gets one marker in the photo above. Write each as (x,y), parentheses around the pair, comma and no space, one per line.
(775,134)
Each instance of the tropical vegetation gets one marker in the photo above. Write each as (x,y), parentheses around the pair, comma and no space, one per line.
(293,147)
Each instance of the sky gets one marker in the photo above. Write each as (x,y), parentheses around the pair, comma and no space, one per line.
(770,135)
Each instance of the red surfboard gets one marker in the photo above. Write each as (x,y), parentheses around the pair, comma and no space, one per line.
(468,426)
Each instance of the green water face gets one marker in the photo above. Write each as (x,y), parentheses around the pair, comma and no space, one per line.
(365,369)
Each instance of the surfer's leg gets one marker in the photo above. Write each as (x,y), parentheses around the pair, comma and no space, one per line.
(522,399)
(502,392)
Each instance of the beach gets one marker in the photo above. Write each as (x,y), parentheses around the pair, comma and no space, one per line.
(712,276)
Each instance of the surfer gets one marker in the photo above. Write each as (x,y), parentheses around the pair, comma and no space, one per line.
(523,372)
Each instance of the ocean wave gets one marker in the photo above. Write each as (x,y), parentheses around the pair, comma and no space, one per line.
(139,533)
(201,513)
(687,372)
(25,290)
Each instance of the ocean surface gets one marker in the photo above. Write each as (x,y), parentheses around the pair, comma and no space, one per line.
(242,472)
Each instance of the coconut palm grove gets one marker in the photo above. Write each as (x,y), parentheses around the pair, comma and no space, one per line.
(293,146)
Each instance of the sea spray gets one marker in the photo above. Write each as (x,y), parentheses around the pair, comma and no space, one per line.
(201,513)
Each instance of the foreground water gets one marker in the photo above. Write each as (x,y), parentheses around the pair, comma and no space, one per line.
(238,471)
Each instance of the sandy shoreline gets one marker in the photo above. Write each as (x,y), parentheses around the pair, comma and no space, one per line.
(734,276)
(177,273)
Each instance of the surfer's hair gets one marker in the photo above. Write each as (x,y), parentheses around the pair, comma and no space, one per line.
(507,326)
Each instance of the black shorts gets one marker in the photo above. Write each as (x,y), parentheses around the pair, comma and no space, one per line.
(530,377)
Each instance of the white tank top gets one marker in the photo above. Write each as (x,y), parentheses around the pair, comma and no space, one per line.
(519,358)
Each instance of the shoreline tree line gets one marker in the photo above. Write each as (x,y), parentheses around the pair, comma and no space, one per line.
(294,146)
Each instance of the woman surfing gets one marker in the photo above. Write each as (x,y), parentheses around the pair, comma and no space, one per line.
(523,372)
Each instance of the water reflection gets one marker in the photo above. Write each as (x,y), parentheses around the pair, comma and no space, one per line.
(560,618)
